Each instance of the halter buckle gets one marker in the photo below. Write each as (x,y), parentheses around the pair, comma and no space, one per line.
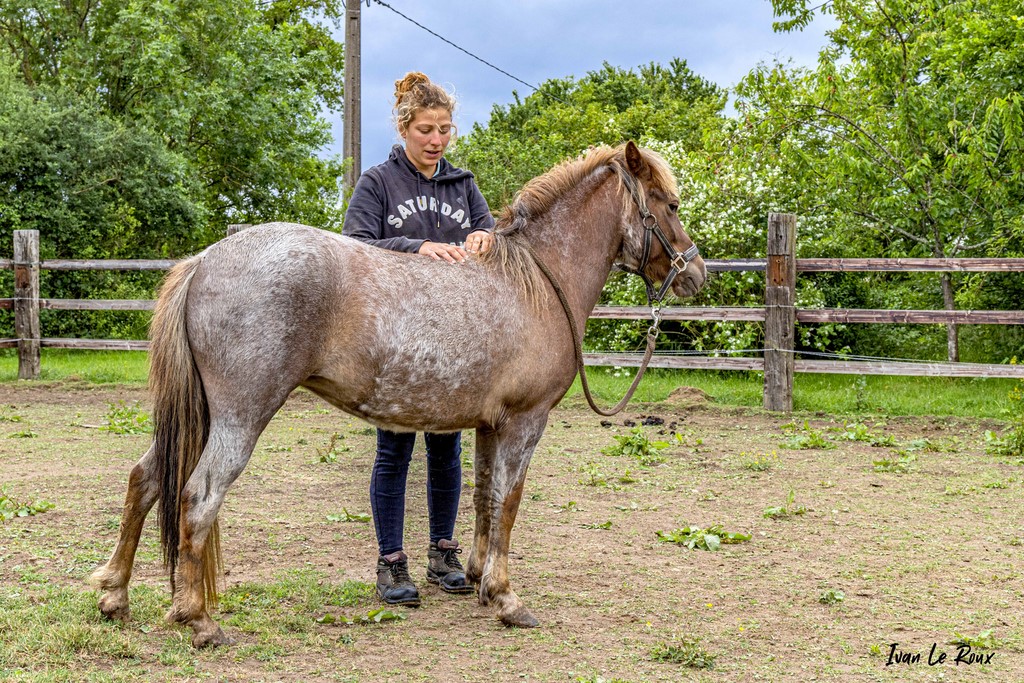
(679,261)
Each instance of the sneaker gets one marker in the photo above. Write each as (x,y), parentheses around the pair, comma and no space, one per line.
(444,568)
(394,585)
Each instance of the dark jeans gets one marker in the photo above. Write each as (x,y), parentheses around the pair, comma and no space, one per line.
(387,485)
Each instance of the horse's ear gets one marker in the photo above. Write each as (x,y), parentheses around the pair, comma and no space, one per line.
(635,160)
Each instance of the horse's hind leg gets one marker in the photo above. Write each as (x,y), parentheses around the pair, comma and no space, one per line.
(516,443)
(113,577)
(486,447)
(226,454)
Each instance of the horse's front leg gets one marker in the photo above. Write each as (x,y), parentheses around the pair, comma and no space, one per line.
(486,447)
(113,577)
(516,441)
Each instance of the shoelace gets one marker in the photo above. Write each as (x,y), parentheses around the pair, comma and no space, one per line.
(452,561)
(400,573)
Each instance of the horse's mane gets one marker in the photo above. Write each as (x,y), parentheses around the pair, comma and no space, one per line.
(510,251)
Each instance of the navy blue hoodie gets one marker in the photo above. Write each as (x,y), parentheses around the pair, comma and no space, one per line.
(395,207)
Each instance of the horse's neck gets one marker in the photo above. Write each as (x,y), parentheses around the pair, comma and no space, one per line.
(578,240)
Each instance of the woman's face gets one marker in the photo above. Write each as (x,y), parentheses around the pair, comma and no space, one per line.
(427,138)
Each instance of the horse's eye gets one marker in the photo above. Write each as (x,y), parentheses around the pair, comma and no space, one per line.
(673,207)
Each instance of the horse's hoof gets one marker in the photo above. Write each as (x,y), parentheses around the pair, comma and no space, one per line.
(520,618)
(215,638)
(114,608)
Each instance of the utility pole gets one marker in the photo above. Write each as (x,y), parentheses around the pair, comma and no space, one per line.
(352,130)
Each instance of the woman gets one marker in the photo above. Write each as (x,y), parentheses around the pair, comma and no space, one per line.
(417,202)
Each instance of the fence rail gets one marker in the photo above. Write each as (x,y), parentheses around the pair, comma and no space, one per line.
(779,313)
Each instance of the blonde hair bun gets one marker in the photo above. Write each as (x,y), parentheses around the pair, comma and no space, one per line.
(407,83)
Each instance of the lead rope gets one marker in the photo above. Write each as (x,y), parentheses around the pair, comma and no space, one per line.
(577,343)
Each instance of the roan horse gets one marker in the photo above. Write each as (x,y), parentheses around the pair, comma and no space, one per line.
(406,343)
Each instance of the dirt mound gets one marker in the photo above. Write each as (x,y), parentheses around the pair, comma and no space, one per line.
(688,396)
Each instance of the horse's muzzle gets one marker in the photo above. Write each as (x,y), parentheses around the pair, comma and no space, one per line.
(690,281)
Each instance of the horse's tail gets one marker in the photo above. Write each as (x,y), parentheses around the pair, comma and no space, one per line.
(181,419)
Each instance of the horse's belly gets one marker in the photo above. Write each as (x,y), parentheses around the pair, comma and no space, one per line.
(419,400)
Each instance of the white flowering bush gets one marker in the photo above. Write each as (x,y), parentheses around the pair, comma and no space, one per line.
(726,193)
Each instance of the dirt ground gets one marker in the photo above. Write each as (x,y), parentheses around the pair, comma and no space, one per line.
(921,557)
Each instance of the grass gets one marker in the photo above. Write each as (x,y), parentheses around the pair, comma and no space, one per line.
(834,394)
(58,629)
(94,367)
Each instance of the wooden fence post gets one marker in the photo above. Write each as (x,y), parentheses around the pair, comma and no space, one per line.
(26,302)
(780,313)
(237,227)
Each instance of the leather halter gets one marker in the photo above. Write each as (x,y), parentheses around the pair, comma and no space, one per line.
(678,259)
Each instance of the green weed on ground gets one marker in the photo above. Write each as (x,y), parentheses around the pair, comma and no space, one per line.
(696,538)
(10,508)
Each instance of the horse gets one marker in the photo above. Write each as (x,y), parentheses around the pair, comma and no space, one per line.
(404,342)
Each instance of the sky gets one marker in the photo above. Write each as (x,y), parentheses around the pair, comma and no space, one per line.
(537,40)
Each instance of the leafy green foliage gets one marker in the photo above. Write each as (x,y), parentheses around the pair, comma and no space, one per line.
(10,508)
(637,445)
(908,136)
(983,641)
(121,193)
(347,516)
(139,129)
(860,432)
(330,454)
(805,438)
(607,524)
(593,475)
(566,116)
(686,651)
(832,597)
(901,464)
(127,419)
(790,508)
(758,462)
(696,538)
(374,616)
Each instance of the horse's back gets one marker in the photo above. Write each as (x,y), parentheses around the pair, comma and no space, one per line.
(380,334)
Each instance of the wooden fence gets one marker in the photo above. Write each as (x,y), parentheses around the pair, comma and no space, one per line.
(778,314)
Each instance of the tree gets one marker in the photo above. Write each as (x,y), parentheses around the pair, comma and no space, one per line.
(140,128)
(565,116)
(911,123)
(236,89)
(87,182)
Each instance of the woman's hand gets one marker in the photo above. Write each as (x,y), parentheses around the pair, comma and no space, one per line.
(439,251)
(479,241)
